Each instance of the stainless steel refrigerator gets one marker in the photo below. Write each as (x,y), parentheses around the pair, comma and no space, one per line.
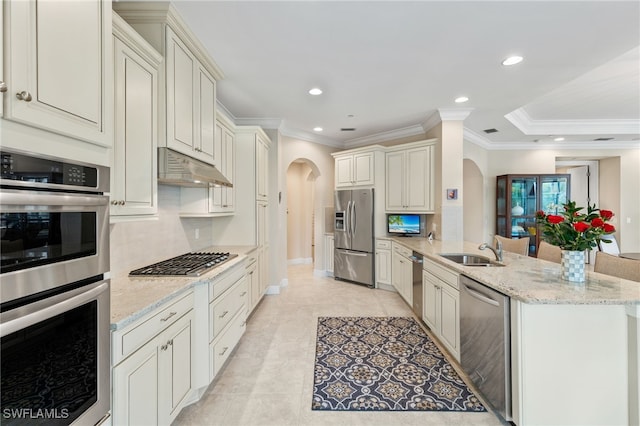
(353,236)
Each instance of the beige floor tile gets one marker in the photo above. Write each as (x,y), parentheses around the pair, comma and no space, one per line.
(269,378)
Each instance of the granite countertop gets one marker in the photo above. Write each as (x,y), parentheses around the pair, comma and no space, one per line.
(528,279)
(134,297)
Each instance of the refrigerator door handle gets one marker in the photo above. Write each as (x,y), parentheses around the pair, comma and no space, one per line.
(348,219)
(354,253)
(353,218)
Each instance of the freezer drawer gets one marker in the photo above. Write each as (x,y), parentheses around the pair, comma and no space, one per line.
(353,266)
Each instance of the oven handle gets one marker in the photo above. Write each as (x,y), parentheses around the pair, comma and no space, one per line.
(55,305)
(30,198)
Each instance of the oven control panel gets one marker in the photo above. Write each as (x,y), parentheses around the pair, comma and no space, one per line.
(25,168)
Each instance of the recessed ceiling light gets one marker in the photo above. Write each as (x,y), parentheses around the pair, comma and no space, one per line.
(317,129)
(512,60)
(461,99)
(558,139)
(315,91)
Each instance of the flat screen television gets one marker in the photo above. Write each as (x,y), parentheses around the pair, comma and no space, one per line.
(403,224)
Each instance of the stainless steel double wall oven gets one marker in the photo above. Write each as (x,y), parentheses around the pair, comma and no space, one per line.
(54,297)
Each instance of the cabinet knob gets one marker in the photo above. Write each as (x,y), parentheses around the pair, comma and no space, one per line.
(114,203)
(197,150)
(223,351)
(3,87)
(121,202)
(24,96)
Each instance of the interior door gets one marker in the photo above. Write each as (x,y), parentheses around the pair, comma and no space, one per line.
(580,194)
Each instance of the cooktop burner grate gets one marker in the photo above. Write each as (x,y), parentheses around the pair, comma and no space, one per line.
(187,265)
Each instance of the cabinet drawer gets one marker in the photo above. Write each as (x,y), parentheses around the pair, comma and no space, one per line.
(401,250)
(222,347)
(220,284)
(441,272)
(134,336)
(251,258)
(383,244)
(225,308)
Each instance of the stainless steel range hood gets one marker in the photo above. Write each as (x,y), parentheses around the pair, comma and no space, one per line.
(175,168)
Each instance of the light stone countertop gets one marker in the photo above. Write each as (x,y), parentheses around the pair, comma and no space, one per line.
(134,297)
(528,279)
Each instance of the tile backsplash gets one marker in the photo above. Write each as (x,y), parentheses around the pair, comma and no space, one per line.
(139,243)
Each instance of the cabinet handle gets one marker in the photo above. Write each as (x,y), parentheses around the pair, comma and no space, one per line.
(197,150)
(3,87)
(224,314)
(170,342)
(114,203)
(243,293)
(225,205)
(121,202)
(224,350)
(163,347)
(24,96)
(168,316)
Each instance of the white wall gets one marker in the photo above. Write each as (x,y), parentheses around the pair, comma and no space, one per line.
(474,200)
(140,243)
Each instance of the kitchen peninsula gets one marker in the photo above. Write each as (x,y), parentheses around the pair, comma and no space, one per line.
(571,344)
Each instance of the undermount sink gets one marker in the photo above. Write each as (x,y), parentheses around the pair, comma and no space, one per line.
(467,259)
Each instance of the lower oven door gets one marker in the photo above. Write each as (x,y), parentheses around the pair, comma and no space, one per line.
(55,359)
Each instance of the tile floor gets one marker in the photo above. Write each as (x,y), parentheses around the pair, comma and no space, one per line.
(269,378)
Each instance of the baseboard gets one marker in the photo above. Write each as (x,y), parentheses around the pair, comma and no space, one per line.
(386,287)
(300,261)
(284,282)
(273,289)
(319,273)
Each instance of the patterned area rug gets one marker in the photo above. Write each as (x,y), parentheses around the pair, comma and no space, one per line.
(385,364)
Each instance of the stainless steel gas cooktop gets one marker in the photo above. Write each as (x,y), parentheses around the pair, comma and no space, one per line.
(185,265)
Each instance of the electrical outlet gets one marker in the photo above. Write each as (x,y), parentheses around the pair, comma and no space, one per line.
(197,233)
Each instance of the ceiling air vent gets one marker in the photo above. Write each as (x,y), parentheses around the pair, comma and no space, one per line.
(490,131)
(603,139)
(348,129)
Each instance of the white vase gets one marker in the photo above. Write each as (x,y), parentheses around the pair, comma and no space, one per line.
(572,266)
(517,210)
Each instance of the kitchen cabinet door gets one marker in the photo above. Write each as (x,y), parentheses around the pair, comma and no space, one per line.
(383,266)
(395,181)
(410,180)
(262,167)
(134,167)
(205,124)
(431,307)
(328,254)
(354,170)
(60,80)
(222,198)
(450,319)
(135,388)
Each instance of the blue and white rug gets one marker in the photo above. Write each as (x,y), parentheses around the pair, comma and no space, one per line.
(384,364)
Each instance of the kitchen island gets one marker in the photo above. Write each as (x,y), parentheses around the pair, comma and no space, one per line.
(574,347)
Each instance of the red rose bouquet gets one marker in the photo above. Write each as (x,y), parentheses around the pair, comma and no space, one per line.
(574,230)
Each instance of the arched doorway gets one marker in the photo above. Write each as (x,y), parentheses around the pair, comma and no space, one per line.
(301,218)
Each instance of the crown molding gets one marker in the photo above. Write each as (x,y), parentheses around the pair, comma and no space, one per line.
(308,137)
(527,125)
(385,136)
(454,114)
(431,121)
(265,123)
(476,138)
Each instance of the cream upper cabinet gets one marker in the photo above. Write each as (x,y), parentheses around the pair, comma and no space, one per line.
(354,169)
(224,154)
(262,168)
(410,178)
(134,165)
(188,79)
(58,67)
(191,97)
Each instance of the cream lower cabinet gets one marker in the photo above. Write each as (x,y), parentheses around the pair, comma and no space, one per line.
(253,281)
(228,301)
(402,272)
(152,376)
(328,254)
(58,67)
(134,189)
(441,305)
(383,261)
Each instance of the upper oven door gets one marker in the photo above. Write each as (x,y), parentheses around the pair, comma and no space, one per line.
(49,239)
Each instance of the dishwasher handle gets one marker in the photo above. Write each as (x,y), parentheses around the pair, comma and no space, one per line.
(480,296)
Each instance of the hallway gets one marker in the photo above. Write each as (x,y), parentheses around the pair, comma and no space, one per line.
(269,378)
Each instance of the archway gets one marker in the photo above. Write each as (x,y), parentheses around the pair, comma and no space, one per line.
(301,221)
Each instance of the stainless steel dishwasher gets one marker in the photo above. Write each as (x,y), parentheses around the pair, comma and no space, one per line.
(416,272)
(485,343)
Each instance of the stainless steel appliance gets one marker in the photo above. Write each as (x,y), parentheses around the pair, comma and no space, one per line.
(188,265)
(54,298)
(416,261)
(485,353)
(353,236)
(175,168)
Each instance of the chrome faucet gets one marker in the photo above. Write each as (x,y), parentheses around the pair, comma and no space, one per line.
(497,251)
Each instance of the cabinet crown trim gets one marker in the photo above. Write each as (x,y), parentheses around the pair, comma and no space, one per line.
(123,31)
(410,145)
(160,12)
(368,148)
